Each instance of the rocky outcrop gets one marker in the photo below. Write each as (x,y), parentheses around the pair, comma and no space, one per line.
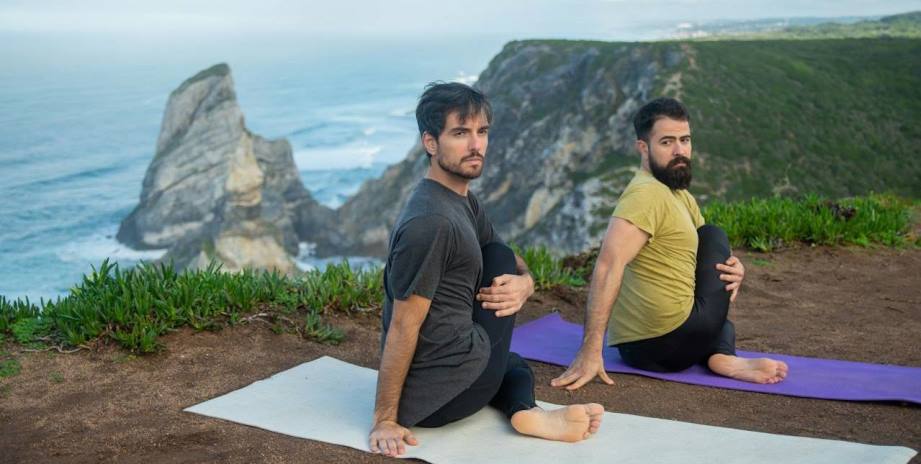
(215,190)
(561,145)
(560,140)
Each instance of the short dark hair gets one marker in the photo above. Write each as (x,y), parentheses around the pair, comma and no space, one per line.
(441,99)
(662,107)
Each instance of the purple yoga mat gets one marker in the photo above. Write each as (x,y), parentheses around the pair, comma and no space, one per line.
(552,340)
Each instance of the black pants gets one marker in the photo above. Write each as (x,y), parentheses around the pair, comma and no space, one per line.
(706,331)
(507,382)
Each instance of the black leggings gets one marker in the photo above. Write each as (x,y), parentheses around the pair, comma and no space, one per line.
(507,382)
(707,331)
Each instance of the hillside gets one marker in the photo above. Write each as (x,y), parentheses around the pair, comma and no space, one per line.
(833,117)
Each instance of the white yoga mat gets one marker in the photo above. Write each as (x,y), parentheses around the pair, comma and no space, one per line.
(332,401)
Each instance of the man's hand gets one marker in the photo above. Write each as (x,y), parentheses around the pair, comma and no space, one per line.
(582,370)
(388,438)
(507,294)
(733,272)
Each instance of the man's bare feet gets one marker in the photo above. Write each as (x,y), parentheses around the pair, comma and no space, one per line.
(570,423)
(756,370)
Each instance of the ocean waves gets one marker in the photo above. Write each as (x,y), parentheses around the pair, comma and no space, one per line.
(76,142)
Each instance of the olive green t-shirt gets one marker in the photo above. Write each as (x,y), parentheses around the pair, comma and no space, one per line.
(657,292)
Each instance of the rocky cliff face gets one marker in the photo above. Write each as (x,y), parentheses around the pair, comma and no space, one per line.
(837,118)
(784,117)
(560,141)
(215,190)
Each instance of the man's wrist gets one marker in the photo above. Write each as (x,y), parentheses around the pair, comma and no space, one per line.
(379,418)
(592,345)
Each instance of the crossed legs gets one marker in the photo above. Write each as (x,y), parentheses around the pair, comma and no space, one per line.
(507,382)
(707,336)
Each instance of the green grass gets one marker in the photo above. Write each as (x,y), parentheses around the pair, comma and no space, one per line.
(9,367)
(769,223)
(547,271)
(134,307)
(833,117)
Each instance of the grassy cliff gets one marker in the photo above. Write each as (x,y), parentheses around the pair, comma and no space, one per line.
(833,117)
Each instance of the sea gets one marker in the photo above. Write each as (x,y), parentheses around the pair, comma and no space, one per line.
(79,123)
(79,119)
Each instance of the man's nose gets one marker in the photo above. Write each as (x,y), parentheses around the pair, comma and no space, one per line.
(476,143)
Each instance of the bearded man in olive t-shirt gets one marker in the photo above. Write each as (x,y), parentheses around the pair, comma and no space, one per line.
(664,280)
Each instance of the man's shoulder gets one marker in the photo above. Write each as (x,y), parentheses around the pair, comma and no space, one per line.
(429,220)
(688,199)
(420,203)
(644,188)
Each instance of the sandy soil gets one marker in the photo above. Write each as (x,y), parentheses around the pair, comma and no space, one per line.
(107,406)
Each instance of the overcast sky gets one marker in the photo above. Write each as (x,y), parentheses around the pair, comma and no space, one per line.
(612,19)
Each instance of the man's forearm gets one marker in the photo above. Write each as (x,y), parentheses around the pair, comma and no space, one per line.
(395,361)
(606,280)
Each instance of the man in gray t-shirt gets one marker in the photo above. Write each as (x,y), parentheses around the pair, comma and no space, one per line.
(452,290)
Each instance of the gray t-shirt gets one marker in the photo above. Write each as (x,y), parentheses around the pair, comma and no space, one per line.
(435,252)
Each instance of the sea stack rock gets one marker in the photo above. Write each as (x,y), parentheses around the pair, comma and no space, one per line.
(216,191)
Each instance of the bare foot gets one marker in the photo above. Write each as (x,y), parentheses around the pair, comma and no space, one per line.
(570,423)
(756,370)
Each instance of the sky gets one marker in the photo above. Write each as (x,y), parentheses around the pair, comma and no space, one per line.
(252,20)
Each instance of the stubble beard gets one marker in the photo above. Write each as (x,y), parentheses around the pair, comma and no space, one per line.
(458,168)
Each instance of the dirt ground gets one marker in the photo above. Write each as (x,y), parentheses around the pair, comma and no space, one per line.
(106,406)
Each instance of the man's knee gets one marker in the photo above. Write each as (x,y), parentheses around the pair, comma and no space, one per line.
(711,237)
(498,259)
(515,361)
(712,233)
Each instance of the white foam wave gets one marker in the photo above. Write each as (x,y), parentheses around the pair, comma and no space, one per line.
(102,245)
(464,78)
(352,155)
(402,112)
(368,131)
(306,261)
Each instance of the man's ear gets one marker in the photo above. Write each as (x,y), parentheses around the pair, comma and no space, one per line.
(642,147)
(430,143)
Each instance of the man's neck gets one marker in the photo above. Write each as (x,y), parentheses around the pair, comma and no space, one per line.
(457,184)
(644,165)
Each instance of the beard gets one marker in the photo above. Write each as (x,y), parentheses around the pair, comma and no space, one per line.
(673,176)
(459,170)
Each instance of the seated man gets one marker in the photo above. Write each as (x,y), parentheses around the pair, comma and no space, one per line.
(452,291)
(669,277)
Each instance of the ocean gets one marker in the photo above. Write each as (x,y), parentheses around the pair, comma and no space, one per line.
(79,123)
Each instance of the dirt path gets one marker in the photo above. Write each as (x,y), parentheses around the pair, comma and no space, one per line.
(853,304)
